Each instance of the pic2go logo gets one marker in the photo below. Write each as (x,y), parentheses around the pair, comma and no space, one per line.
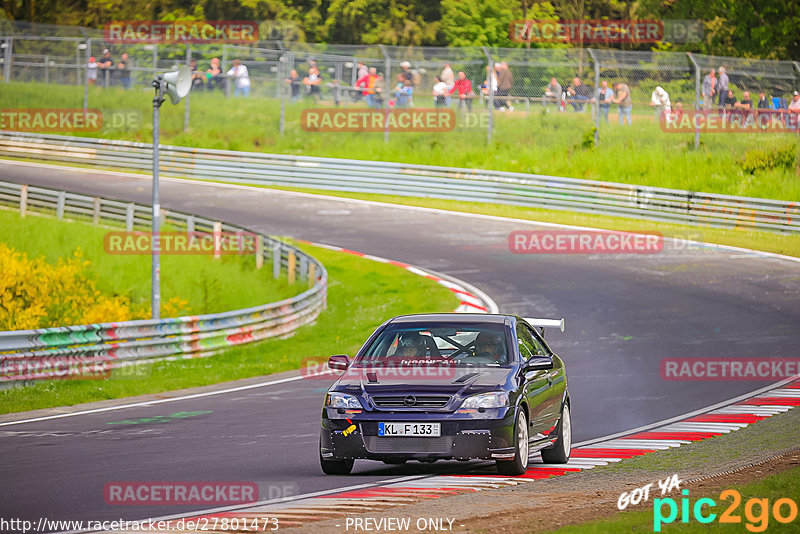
(756,511)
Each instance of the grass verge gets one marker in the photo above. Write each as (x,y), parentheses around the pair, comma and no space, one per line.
(558,144)
(361,295)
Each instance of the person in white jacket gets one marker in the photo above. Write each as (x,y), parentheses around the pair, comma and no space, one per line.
(659,99)
(241,78)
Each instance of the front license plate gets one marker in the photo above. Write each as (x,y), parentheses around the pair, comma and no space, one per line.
(419,430)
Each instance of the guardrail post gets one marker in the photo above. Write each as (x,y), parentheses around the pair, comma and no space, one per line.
(62,197)
(312,275)
(290,269)
(23,200)
(276,261)
(190,224)
(129,217)
(217,233)
(96,211)
(303,267)
(259,252)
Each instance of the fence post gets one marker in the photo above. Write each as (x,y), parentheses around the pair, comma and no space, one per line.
(386,78)
(46,69)
(259,251)
(155,61)
(129,217)
(696,97)
(796,66)
(596,94)
(186,98)
(62,197)
(491,95)
(96,211)
(225,70)
(291,268)
(23,200)
(217,236)
(280,91)
(276,260)
(8,46)
(87,55)
(312,274)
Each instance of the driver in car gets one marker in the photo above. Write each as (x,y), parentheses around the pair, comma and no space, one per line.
(489,346)
(411,345)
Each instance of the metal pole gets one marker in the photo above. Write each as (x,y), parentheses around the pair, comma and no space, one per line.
(282,73)
(87,55)
(46,69)
(186,104)
(7,64)
(225,71)
(387,69)
(155,297)
(491,95)
(596,94)
(696,97)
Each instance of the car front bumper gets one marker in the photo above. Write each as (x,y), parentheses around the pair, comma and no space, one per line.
(488,435)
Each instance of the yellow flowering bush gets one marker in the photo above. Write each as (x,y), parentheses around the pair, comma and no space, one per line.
(36,294)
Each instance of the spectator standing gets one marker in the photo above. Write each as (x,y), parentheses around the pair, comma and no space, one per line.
(709,89)
(313,81)
(624,101)
(489,86)
(553,94)
(124,72)
(405,70)
(440,93)
(214,75)
(794,112)
(379,89)
(198,78)
(659,99)
(723,86)
(241,78)
(580,93)
(449,80)
(463,86)
(367,83)
(505,80)
(404,93)
(362,70)
(604,96)
(91,71)
(294,82)
(106,64)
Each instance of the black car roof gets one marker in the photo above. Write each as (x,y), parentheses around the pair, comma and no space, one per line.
(452,318)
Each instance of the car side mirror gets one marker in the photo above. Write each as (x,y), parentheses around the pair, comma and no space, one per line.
(538,363)
(340,362)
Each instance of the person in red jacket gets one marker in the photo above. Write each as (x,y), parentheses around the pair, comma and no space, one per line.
(367,83)
(465,93)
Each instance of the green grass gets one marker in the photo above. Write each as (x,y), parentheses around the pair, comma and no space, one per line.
(773,487)
(548,143)
(210,286)
(361,295)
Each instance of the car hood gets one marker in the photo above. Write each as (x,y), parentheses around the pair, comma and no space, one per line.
(452,380)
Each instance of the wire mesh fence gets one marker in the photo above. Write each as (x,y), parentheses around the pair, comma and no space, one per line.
(571,91)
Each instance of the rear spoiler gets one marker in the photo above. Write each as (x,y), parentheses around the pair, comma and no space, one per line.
(546,323)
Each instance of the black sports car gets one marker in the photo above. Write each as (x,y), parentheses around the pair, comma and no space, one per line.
(449,386)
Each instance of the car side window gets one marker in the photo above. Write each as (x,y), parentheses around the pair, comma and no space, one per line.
(540,348)
(526,342)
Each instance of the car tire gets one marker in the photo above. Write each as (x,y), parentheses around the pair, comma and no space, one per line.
(519,464)
(335,467)
(559,453)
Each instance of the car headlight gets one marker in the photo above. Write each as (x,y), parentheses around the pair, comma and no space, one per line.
(342,400)
(494,399)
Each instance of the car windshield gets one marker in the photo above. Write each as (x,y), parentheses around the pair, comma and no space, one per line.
(454,344)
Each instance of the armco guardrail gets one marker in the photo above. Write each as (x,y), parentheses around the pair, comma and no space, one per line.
(54,352)
(588,196)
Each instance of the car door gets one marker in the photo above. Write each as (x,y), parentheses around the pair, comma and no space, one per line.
(535,385)
(556,380)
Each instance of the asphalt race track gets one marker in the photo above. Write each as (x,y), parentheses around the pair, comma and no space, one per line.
(625,313)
